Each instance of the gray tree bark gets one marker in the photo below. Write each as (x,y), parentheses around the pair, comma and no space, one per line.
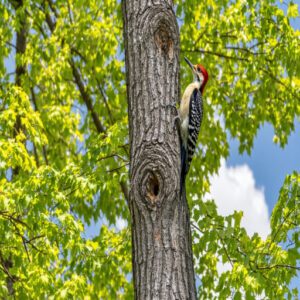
(161,238)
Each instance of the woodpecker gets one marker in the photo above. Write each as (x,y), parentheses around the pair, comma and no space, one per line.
(191,113)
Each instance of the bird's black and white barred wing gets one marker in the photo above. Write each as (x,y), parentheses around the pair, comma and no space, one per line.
(195,120)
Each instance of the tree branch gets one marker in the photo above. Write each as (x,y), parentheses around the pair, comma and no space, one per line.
(216,54)
(86,97)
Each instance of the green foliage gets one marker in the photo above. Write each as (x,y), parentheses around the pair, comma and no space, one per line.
(66,166)
(64,181)
(252,55)
(256,266)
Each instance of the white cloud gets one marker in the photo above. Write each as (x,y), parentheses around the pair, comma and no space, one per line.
(234,189)
(121,223)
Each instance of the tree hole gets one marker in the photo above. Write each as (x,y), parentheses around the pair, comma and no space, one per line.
(164,40)
(155,189)
(152,187)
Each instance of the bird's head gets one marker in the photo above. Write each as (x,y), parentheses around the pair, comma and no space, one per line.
(200,74)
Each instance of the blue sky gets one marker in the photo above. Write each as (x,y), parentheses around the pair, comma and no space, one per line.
(268,162)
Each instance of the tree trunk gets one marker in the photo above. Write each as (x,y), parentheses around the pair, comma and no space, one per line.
(161,240)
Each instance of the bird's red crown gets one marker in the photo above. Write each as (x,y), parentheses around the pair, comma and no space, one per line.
(205,75)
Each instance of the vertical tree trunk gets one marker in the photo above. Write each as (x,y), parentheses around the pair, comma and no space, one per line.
(161,240)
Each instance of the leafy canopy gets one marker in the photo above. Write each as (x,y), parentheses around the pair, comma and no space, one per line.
(65,167)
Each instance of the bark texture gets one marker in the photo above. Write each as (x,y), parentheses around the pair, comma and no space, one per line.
(161,240)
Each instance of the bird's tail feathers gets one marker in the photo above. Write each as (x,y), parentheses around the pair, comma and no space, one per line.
(183,169)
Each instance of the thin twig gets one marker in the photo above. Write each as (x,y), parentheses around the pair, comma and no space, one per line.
(216,54)
(118,168)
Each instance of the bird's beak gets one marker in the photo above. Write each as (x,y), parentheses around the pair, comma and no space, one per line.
(190,64)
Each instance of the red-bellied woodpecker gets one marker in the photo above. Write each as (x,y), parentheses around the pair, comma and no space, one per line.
(191,113)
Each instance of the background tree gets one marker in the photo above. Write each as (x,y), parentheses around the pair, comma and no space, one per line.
(72,150)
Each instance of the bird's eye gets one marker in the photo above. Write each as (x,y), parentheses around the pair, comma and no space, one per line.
(198,69)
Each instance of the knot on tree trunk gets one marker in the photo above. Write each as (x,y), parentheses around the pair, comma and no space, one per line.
(157,24)
(149,178)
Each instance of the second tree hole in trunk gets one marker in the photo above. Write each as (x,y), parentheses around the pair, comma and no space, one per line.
(164,40)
